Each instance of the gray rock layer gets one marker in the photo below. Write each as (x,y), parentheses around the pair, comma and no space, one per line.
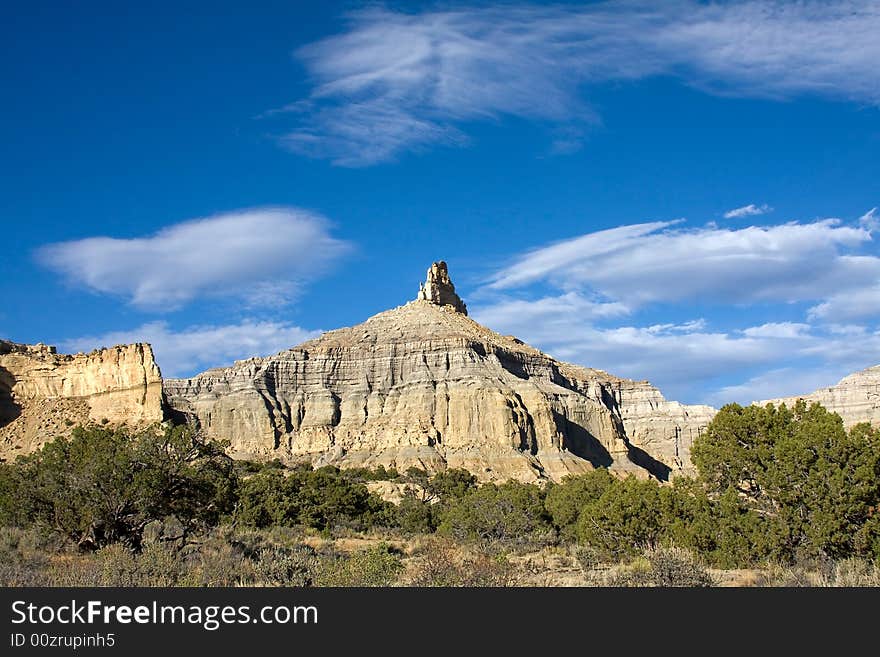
(856,398)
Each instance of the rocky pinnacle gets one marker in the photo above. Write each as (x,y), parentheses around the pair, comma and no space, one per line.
(438,289)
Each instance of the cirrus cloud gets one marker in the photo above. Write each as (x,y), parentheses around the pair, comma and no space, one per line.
(749,210)
(395,81)
(660,262)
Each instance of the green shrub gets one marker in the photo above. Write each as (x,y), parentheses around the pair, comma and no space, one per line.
(321,499)
(442,563)
(564,502)
(16,508)
(724,530)
(853,572)
(105,485)
(415,516)
(677,567)
(818,483)
(626,519)
(282,566)
(511,513)
(587,556)
(450,485)
(379,473)
(376,566)
(664,567)
(264,500)
(24,557)
(156,565)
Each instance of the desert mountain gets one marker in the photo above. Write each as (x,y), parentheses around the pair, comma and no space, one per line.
(424,385)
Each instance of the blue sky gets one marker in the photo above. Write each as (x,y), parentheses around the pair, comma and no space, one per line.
(681,192)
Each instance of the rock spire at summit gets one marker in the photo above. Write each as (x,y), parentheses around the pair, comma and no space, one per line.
(438,288)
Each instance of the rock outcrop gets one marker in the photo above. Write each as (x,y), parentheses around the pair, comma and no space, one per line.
(423,385)
(43,394)
(438,289)
(856,398)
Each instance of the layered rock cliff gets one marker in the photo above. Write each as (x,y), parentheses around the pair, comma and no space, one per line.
(662,428)
(856,398)
(421,385)
(43,393)
(424,385)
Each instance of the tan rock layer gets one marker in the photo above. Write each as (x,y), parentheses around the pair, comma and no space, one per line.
(43,393)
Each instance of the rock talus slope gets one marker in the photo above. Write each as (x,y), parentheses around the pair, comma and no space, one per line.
(43,393)
(423,385)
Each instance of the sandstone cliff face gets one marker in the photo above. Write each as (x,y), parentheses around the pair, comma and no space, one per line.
(423,385)
(856,398)
(664,429)
(43,393)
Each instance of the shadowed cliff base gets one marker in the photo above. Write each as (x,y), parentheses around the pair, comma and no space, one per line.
(582,443)
(9,410)
(657,468)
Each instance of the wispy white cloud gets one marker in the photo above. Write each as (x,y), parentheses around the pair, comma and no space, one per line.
(846,329)
(547,316)
(195,348)
(659,262)
(693,326)
(588,300)
(784,330)
(261,256)
(367,132)
(680,358)
(684,360)
(858,300)
(870,221)
(849,304)
(777,383)
(396,80)
(749,210)
(846,351)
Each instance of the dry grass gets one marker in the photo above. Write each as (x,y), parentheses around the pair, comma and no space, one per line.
(294,557)
(848,573)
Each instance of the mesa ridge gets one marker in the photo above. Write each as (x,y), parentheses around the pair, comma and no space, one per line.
(419,385)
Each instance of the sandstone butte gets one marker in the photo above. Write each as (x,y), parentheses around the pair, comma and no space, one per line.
(419,385)
(424,385)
